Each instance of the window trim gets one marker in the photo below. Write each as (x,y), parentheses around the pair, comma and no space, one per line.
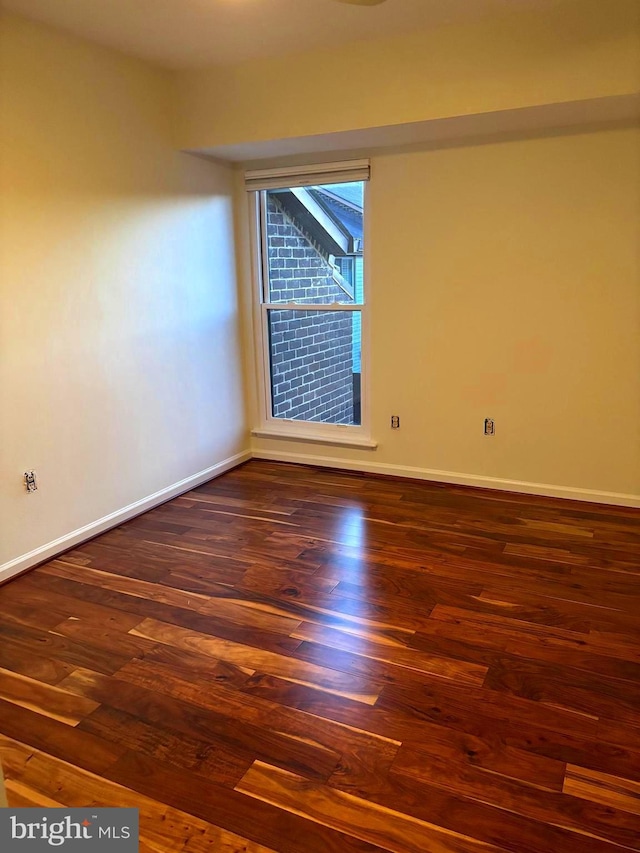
(268,426)
(342,171)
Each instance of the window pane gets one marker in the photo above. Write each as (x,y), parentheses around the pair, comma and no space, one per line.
(314,243)
(315,365)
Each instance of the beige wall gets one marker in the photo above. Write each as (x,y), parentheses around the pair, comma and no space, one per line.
(522,58)
(505,283)
(118,321)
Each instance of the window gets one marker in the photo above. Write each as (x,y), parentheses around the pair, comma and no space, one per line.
(311,307)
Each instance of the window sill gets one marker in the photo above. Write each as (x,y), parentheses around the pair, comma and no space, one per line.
(266,432)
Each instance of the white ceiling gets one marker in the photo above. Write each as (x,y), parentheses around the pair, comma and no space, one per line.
(191,33)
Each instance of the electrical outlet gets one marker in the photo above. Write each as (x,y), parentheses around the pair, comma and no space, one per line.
(489,426)
(30,481)
(395,421)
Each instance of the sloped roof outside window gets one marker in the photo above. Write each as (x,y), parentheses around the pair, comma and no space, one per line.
(344,202)
(332,215)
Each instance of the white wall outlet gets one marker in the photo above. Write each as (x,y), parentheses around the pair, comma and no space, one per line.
(489,426)
(30,481)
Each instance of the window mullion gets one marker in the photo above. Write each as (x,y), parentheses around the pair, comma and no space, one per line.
(311,306)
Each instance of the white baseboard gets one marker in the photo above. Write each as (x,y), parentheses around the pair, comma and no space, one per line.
(51,549)
(522,486)
(82,534)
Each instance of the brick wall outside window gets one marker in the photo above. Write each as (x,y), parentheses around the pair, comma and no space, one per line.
(311,352)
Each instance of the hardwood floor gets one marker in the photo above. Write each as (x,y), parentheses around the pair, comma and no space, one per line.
(298,660)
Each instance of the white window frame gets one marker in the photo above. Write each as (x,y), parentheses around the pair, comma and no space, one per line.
(286,428)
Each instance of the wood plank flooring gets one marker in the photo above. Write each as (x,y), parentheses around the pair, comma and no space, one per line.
(304,661)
